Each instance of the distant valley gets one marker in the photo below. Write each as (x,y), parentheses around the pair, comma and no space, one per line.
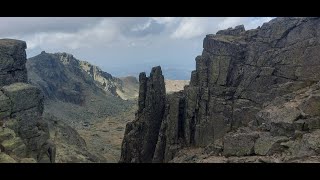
(85,106)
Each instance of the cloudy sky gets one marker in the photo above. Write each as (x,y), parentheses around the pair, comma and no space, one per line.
(123,45)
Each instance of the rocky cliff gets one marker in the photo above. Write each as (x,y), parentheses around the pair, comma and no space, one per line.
(25,137)
(253,93)
(141,135)
(62,76)
(75,91)
(125,88)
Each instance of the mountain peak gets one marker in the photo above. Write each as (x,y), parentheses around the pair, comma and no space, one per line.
(63,71)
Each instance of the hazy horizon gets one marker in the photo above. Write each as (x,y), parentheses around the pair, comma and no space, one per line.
(123,46)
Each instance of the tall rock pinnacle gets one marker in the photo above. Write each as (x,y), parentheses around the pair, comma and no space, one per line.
(142,134)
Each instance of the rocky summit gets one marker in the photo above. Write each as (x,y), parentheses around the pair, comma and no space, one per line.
(24,135)
(62,76)
(77,96)
(76,91)
(254,97)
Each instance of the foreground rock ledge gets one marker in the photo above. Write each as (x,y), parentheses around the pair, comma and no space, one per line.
(26,137)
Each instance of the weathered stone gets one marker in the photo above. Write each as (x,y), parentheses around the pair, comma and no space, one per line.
(6,134)
(27,160)
(11,144)
(300,125)
(47,153)
(12,61)
(23,97)
(232,31)
(281,119)
(313,141)
(141,136)
(268,145)
(21,104)
(244,111)
(190,114)
(214,148)
(224,63)
(142,91)
(311,106)
(308,145)
(4,158)
(204,134)
(312,123)
(194,78)
(222,46)
(239,144)
(172,129)
(5,106)
(266,71)
(202,71)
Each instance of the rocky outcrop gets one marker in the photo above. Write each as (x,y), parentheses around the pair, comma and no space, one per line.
(70,146)
(249,79)
(73,89)
(13,61)
(26,134)
(171,135)
(49,73)
(119,87)
(239,143)
(61,76)
(141,135)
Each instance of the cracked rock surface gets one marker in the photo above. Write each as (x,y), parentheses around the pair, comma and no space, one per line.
(26,135)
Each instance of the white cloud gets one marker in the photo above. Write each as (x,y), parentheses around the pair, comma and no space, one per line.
(230,22)
(190,27)
(255,22)
(165,20)
(27,25)
(199,26)
(104,32)
(141,27)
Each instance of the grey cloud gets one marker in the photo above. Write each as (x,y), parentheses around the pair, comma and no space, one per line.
(150,27)
(23,26)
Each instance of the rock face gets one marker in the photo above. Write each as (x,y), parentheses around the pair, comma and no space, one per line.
(125,88)
(49,73)
(141,136)
(13,61)
(74,90)
(21,106)
(70,146)
(249,79)
(239,144)
(78,95)
(62,76)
